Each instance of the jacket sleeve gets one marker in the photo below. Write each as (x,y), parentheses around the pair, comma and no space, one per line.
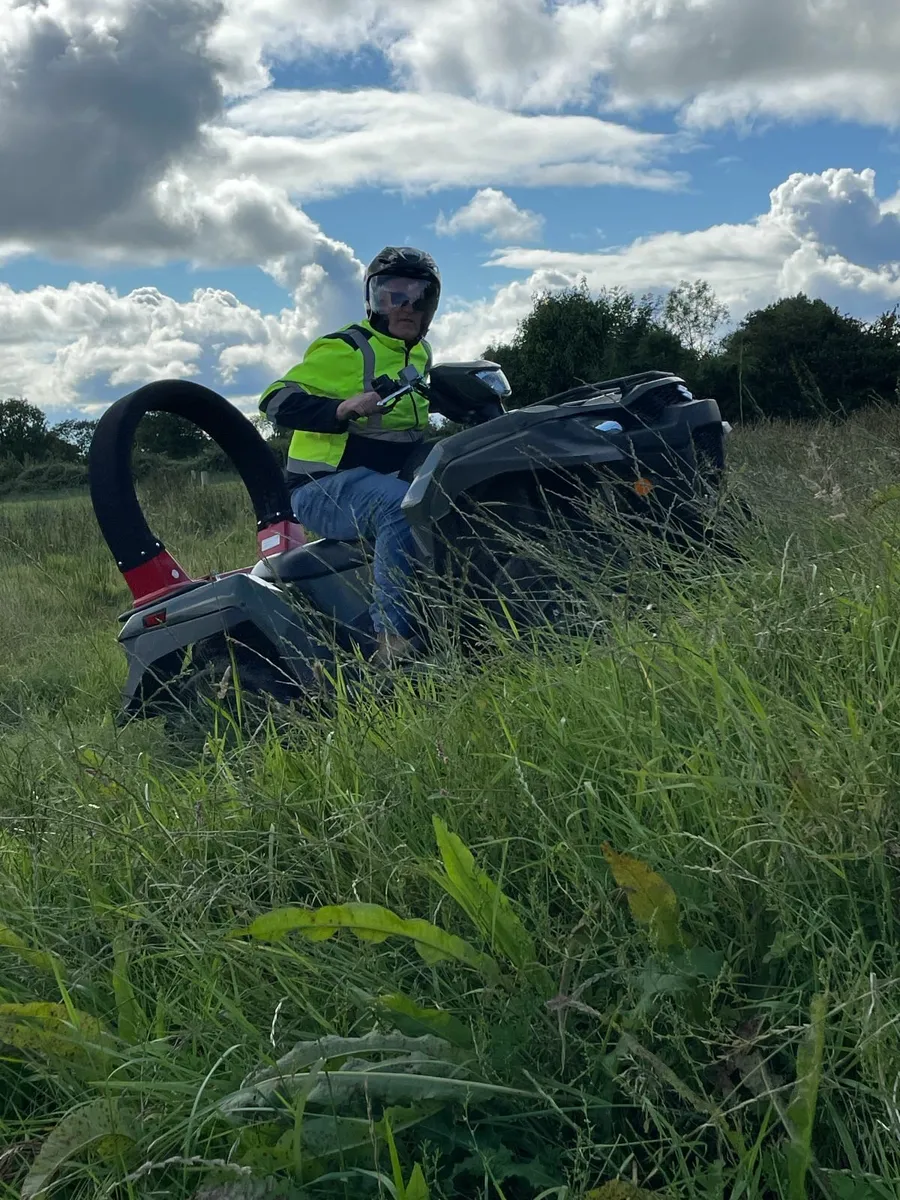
(307,397)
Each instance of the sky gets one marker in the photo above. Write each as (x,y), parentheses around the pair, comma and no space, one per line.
(192,188)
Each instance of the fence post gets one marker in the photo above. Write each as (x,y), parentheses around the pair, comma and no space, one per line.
(204,478)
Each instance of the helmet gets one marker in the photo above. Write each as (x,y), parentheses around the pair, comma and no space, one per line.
(402,263)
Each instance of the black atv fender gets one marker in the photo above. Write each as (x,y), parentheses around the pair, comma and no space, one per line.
(157,637)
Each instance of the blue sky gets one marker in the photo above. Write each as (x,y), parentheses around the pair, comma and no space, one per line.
(212,235)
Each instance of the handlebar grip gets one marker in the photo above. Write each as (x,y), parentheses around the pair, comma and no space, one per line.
(385,386)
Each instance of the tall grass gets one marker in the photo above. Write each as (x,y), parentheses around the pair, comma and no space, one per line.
(60,591)
(676,966)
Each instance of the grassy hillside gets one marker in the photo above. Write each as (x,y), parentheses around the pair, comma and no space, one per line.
(672,961)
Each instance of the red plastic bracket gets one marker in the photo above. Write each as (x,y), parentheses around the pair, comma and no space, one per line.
(160,576)
(276,539)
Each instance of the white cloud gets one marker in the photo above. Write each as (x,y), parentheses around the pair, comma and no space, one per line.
(315,143)
(105,155)
(111,114)
(155,77)
(463,332)
(824,234)
(58,345)
(715,60)
(209,223)
(840,211)
(116,144)
(495,216)
(253,35)
(96,101)
(526,52)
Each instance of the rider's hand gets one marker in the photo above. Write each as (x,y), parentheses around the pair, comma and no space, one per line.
(363,405)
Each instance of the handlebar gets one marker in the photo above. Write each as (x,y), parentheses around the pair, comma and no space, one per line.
(387,402)
(391,394)
(391,391)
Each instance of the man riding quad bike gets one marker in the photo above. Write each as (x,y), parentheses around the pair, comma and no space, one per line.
(486,508)
(349,444)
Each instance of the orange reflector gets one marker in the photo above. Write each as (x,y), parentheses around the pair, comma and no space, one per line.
(643,487)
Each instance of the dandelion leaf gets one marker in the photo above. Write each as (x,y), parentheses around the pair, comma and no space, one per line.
(41,960)
(45,1028)
(371,923)
(652,901)
(481,899)
(413,1020)
(99,1126)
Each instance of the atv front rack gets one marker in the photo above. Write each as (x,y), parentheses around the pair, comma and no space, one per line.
(627,387)
(645,395)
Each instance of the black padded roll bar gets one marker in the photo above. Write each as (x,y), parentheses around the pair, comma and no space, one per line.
(115,503)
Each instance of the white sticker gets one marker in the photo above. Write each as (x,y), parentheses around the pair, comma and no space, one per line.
(270,543)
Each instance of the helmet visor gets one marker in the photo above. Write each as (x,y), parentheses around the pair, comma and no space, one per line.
(391,292)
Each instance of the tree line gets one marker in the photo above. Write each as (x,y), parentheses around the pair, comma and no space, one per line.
(797,359)
(35,456)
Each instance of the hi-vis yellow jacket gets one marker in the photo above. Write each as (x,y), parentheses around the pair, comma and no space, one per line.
(334,368)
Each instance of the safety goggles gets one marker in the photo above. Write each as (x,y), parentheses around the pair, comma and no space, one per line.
(388,293)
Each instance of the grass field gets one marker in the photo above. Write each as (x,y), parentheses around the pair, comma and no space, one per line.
(618,915)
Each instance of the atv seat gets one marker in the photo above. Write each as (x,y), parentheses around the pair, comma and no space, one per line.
(323,557)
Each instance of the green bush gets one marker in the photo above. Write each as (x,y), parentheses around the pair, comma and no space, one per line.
(10,468)
(44,477)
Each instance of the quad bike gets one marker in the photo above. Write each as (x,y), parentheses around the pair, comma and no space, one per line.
(641,444)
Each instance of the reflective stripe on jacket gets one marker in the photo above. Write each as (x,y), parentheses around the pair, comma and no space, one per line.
(334,368)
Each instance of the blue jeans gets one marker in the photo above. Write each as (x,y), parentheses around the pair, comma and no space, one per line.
(361,503)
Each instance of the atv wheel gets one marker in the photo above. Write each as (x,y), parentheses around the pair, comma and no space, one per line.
(522,591)
(220,674)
